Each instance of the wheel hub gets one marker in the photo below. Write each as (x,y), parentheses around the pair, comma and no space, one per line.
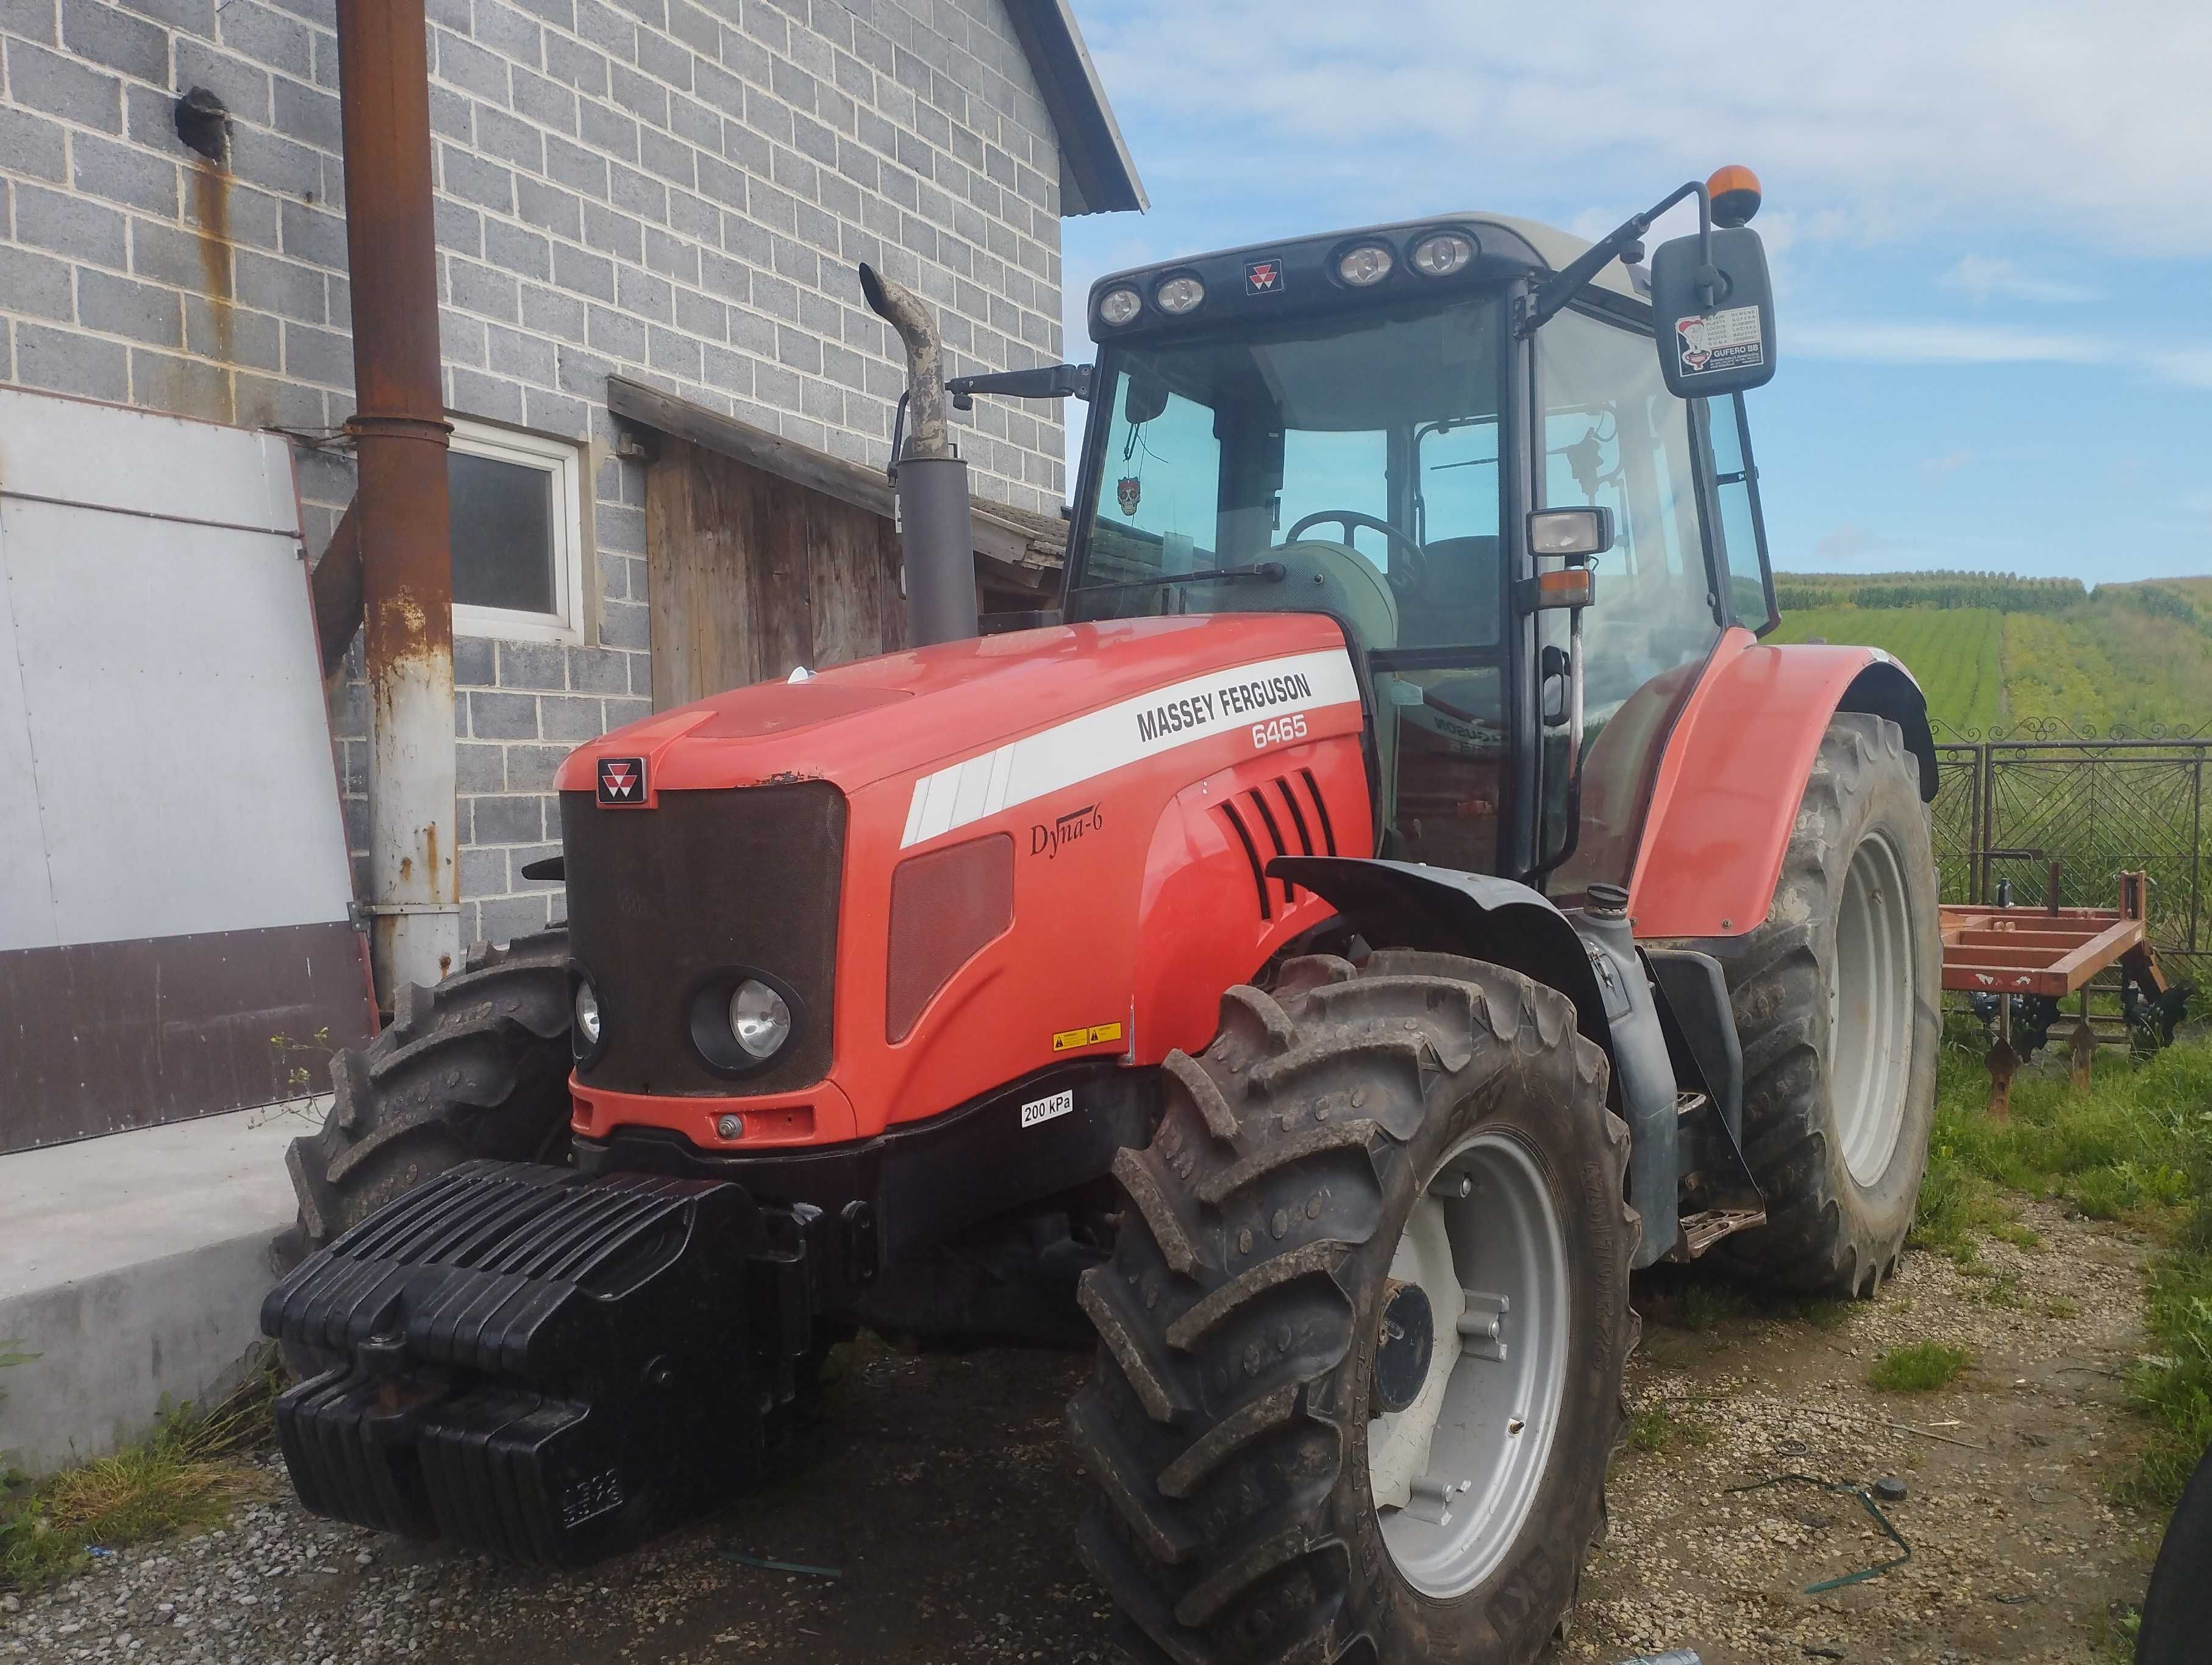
(1402,1358)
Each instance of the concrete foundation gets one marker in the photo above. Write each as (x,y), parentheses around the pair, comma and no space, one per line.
(134,1266)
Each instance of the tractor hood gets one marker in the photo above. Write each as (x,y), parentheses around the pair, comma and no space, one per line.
(905,713)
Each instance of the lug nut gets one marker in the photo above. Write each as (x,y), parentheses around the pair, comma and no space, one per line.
(730,1126)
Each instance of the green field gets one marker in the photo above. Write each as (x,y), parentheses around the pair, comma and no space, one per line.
(1991,649)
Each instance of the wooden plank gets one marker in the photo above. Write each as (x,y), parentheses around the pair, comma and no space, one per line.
(849,482)
(1003,533)
(752,575)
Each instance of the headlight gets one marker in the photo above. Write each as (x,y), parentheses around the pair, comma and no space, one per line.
(1370,263)
(1442,255)
(1118,307)
(759,1019)
(1179,294)
(587,1013)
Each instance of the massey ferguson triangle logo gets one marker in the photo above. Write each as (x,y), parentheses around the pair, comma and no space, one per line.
(1263,277)
(621,780)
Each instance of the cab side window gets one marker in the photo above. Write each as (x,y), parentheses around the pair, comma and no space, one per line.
(1742,529)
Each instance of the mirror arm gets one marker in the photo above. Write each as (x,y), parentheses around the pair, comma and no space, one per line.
(1564,286)
(1056,381)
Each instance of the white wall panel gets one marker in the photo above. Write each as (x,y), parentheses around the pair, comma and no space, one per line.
(161,710)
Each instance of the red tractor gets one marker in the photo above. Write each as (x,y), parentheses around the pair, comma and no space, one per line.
(1395,898)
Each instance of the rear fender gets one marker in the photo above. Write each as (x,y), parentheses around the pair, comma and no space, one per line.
(1726,801)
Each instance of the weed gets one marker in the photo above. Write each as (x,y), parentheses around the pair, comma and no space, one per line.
(1658,1427)
(2059,1307)
(1919,1368)
(184,1477)
(2018,1235)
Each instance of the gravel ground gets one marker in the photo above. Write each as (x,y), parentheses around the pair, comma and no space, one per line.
(940,1490)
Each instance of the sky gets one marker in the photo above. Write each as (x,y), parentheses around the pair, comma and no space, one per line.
(1990,224)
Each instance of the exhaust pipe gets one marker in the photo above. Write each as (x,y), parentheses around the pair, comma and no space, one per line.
(936,542)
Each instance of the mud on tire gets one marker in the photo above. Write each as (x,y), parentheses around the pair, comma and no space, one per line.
(476,1066)
(1228,1422)
(1828,1230)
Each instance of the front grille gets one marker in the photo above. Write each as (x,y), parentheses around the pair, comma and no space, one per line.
(661,899)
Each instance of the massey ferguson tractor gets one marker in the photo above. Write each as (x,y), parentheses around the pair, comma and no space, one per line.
(1393,897)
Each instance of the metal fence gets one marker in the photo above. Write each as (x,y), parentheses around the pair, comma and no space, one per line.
(2010,802)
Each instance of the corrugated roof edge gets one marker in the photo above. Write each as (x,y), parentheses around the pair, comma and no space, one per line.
(1096,175)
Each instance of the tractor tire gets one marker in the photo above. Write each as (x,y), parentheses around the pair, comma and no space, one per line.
(2176,1611)
(476,1066)
(1838,999)
(1266,1229)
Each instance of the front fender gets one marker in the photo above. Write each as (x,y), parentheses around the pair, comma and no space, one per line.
(1728,791)
(1411,906)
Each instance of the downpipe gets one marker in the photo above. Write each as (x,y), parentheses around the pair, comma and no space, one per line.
(936,541)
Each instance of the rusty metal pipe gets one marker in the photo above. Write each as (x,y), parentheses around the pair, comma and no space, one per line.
(400,431)
(928,433)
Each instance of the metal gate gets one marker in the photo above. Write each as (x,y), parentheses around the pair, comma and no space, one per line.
(2009,804)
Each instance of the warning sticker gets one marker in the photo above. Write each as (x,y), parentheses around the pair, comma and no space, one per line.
(1069,1039)
(1727,340)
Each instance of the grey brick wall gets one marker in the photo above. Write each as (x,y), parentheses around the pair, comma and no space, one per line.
(672,191)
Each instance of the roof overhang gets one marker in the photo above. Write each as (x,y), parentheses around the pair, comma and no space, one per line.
(1096,173)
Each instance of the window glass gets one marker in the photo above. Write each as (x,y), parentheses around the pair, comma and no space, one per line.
(502,518)
(1615,437)
(515,505)
(1325,471)
(1735,481)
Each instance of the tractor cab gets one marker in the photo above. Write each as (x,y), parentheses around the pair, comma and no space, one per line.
(1379,425)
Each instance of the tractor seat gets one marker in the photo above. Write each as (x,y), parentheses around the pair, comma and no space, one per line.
(1459,601)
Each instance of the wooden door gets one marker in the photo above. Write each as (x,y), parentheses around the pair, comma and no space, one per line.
(750,574)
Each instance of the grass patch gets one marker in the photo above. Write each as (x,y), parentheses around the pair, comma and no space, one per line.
(2135,1148)
(183,1478)
(1920,1368)
(1659,1427)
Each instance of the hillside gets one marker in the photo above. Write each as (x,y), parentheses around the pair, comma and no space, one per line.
(1991,649)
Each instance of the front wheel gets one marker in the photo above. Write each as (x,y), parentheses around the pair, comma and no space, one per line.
(1364,1328)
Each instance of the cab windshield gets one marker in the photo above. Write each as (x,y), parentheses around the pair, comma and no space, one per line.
(1376,432)
(1347,464)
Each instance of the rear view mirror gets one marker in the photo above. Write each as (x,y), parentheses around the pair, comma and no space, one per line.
(1146,397)
(1716,327)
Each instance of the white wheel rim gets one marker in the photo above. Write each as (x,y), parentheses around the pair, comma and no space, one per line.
(1871,1010)
(1454,1475)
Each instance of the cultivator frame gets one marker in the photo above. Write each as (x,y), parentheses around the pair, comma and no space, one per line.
(2009,956)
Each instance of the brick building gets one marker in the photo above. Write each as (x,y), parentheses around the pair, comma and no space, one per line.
(658,196)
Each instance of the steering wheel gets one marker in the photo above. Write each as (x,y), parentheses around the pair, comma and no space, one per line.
(1405,577)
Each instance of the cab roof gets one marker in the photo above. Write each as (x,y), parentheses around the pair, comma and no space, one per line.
(1297,274)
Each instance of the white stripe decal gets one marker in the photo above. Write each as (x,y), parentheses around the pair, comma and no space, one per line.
(1099,742)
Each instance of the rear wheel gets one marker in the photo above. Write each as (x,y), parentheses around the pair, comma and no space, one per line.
(476,1066)
(1365,1326)
(1836,998)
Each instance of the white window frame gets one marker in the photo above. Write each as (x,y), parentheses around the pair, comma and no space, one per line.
(563,460)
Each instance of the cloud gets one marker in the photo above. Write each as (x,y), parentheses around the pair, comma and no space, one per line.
(1983,277)
(2191,367)
(1919,342)
(1886,116)
(1941,468)
(1847,544)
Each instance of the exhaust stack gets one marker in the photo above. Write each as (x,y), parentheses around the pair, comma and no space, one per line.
(935,540)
